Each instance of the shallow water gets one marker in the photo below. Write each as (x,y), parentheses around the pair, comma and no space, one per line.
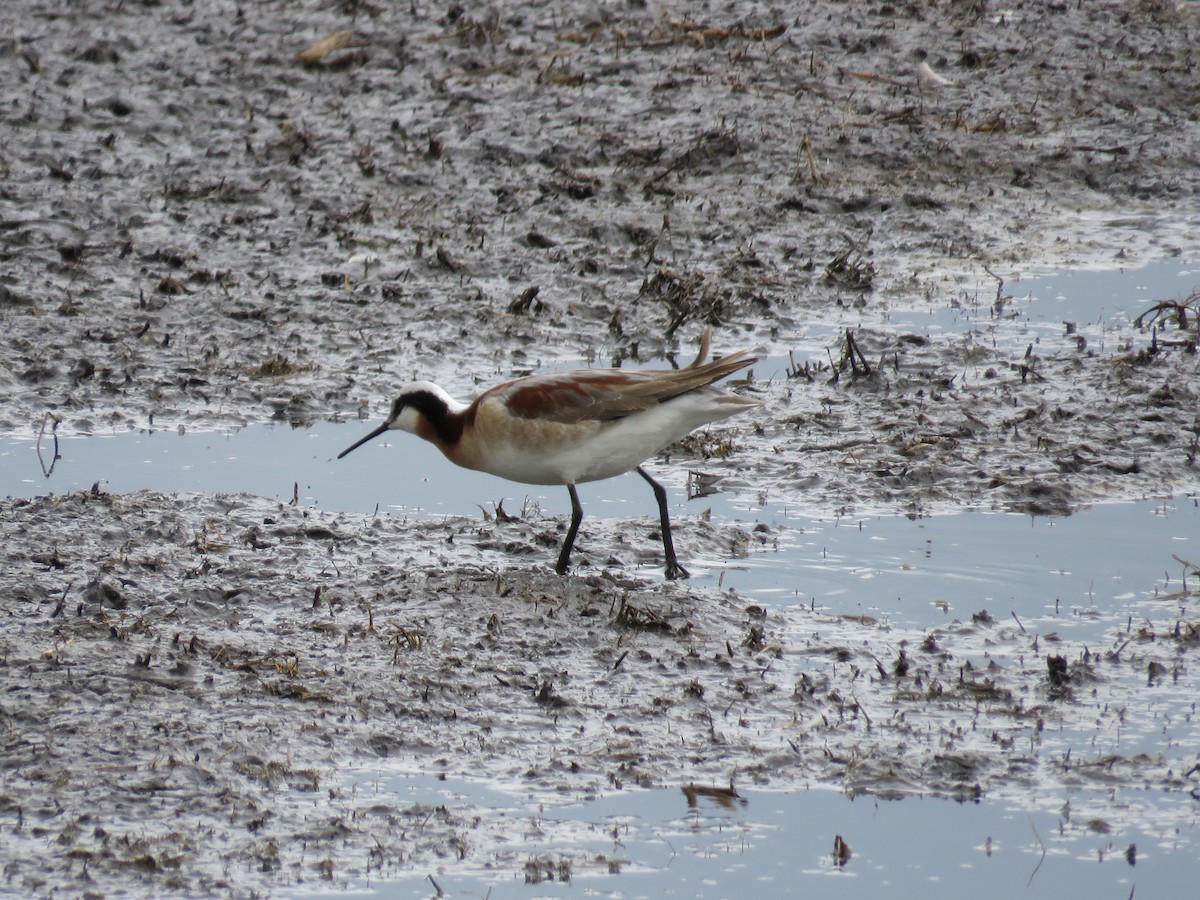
(1095,301)
(651,843)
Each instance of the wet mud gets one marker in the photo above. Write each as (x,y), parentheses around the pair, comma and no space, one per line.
(189,676)
(216,214)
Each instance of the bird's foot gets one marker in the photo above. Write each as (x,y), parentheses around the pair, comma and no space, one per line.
(675,570)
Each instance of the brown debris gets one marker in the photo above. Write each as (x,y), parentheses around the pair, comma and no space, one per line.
(318,50)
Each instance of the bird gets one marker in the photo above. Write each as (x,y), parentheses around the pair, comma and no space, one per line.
(574,427)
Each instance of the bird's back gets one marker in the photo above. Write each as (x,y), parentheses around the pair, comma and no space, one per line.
(605,394)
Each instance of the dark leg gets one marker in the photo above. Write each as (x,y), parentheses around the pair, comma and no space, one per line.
(674,569)
(576,518)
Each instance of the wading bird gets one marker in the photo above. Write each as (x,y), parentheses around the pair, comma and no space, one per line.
(572,427)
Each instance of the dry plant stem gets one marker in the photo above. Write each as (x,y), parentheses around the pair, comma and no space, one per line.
(47,471)
(855,355)
(1042,859)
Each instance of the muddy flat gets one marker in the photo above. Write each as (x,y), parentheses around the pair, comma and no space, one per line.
(218,215)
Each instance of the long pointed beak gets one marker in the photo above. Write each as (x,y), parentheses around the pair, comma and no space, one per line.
(374,434)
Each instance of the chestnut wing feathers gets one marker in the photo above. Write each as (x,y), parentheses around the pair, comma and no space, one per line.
(606,394)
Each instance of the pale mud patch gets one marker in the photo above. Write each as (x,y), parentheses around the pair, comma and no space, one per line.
(191,677)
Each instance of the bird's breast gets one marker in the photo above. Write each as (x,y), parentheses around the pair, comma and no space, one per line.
(532,451)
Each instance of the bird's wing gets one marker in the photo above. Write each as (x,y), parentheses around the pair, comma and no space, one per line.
(604,394)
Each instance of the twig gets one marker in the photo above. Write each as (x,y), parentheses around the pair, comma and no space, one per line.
(853,351)
(999,286)
(1040,861)
(833,448)
(858,705)
(54,431)
(872,76)
(1186,565)
(795,371)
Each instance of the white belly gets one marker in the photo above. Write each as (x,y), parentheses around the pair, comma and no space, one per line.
(549,453)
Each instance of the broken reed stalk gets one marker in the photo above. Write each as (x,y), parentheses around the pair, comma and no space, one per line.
(1042,844)
(855,355)
(1165,310)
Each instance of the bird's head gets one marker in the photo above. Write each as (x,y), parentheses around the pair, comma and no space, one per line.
(421,408)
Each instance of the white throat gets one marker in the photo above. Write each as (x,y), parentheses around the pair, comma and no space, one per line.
(411,413)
